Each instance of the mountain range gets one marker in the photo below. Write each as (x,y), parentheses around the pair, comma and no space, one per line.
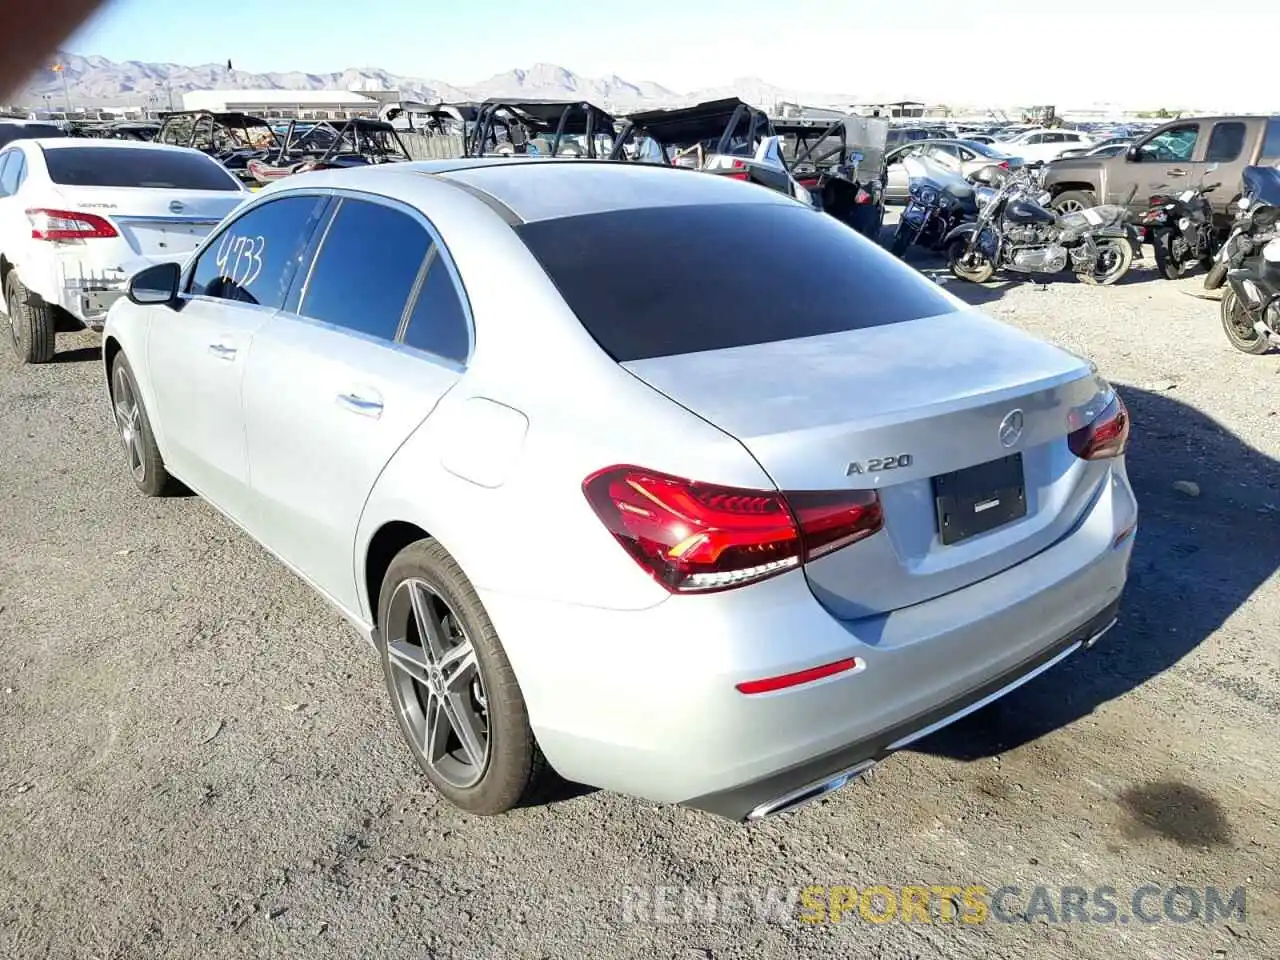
(95,81)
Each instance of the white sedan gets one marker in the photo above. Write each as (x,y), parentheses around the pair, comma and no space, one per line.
(79,217)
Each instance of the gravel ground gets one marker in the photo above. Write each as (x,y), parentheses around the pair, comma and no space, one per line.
(197,758)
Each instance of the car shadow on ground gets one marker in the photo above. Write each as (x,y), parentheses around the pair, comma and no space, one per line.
(78,355)
(1195,561)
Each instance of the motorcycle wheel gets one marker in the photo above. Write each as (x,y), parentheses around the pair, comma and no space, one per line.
(1169,266)
(1117,255)
(974,267)
(902,238)
(1238,326)
(1216,275)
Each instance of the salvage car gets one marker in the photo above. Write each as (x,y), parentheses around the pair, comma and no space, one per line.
(726,137)
(1174,156)
(841,163)
(966,157)
(78,217)
(540,128)
(785,541)
(231,138)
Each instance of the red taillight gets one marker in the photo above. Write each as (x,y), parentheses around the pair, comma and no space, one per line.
(68,225)
(1003,164)
(694,537)
(1105,436)
(862,196)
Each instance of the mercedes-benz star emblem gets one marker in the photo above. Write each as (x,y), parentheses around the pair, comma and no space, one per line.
(177,206)
(1011,428)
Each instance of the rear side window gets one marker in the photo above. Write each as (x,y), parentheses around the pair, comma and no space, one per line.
(136,167)
(15,171)
(682,279)
(5,160)
(1271,145)
(438,323)
(1225,143)
(255,258)
(366,269)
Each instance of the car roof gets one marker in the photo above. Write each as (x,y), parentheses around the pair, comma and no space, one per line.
(548,188)
(72,143)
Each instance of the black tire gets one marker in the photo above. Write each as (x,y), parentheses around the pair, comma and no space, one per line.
(1250,342)
(514,766)
(32,322)
(979,270)
(137,440)
(1169,267)
(1071,200)
(902,238)
(1216,276)
(1125,251)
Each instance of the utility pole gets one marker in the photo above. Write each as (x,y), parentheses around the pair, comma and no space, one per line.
(61,71)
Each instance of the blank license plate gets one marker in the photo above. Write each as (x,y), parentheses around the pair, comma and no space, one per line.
(980,498)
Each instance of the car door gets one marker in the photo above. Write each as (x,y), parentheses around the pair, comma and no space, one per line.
(196,351)
(1161,163)
(1225,150)
(336,384)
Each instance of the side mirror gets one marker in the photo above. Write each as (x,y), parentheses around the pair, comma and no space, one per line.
(157,284)
(1133,154)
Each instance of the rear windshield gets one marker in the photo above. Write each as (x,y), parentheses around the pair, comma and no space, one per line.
(138,167)
(682,279)
(10,132)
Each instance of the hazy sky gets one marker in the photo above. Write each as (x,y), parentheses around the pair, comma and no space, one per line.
(1085,51)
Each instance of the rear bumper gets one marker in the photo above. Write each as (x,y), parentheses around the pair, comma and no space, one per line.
(814,778)
(644,701)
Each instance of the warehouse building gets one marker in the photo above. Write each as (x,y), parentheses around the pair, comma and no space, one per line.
(304,104)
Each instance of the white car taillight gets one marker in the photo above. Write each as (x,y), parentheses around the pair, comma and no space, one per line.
(68,225)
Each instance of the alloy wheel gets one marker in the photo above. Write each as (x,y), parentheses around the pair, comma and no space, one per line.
(1069,206)
(129,420)
(438,687)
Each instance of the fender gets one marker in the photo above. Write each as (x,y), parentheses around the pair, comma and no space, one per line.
(960,230)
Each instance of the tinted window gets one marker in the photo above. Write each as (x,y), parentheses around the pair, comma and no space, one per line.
(136,167)
(10,132)
(672,280)
(1271,146)
(255,258)
(13,175)
(1225,143)
(438,323)
(366,269)
(5,158)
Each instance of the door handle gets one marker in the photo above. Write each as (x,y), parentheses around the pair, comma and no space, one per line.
(1176,172)
(367,404)
(222,351)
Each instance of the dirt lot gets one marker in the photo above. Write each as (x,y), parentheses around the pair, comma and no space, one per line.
(197,758)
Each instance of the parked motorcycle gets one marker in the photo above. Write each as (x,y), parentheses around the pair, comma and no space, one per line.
(1180,228)
(1015,231)
(940,199)
(1249,264)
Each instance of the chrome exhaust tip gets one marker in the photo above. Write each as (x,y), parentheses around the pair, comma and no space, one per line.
(809,793)
(1099,635)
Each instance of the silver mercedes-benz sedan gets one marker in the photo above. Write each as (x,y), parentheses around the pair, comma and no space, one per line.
(662,480)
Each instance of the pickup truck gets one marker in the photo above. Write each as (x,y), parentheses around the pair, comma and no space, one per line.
(1175,156)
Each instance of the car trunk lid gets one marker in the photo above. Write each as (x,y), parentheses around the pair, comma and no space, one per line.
(891,408)
(158,224)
